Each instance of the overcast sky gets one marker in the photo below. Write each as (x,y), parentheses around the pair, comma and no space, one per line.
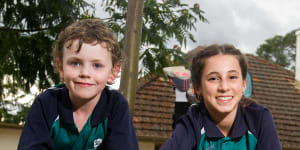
(243,23)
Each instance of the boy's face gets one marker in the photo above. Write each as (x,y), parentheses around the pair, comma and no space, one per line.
(86,72)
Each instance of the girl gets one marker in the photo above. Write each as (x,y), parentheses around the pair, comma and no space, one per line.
(223,119)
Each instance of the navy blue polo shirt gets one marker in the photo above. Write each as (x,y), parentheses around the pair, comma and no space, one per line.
(50,123)
(253,129)
(240,138)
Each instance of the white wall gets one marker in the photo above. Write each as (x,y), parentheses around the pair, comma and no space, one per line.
(146,145)
(9,137)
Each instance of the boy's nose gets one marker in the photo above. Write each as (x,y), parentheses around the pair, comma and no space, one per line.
(84,71)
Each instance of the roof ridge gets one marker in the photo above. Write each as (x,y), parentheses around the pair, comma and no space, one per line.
(146,80)
(267,62)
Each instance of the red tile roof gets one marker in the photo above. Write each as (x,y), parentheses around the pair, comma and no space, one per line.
(273,86)
(154,109)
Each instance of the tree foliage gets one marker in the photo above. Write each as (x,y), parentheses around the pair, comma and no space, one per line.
(162,22)
(280,50)
(28,29)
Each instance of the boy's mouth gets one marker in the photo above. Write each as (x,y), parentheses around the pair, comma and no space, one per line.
(84,84)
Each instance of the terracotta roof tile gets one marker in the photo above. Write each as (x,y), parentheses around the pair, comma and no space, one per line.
(154,108)
(273,86)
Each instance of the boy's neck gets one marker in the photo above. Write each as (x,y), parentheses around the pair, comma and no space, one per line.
(82,109)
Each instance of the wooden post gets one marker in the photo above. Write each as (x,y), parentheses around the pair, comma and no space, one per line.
(129,74)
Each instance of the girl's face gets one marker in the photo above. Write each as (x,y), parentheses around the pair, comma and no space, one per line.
(222,84)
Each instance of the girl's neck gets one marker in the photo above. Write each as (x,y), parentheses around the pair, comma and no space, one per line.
(224,122)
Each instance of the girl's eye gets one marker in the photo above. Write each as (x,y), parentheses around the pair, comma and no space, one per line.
(212,79)
(233,77)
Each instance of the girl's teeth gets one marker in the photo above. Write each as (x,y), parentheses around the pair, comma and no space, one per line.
(224,98)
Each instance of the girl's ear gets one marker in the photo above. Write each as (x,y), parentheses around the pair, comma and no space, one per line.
(244,85)
(114,74)
(197,92)
(60,69)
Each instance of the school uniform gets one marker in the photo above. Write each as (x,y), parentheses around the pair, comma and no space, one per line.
(253,129)
(50,124)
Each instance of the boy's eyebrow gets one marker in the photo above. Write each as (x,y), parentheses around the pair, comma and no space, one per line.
(78,58)
(73,58)
(97,60)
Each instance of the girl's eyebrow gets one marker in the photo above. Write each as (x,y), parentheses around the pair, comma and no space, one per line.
(216,73)
(233,71)
(212,73)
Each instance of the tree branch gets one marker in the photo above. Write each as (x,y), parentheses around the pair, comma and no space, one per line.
(21,30)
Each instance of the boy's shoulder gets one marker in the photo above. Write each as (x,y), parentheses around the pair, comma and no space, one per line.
(54,90)
(52,94)
(113,96)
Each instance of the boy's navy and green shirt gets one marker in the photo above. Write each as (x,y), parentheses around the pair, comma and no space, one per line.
(253,129)
(50,124)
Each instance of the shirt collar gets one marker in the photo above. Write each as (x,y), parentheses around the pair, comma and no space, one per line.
(65,110)
(101,111)
(65,106)
(239,127)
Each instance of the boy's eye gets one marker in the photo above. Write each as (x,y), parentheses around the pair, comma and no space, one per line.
(75,63)
(97,65)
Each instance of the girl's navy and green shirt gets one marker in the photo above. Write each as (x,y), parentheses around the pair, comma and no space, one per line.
(50,124)
(253,129)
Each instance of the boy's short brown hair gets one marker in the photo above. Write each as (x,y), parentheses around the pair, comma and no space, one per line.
(89,31)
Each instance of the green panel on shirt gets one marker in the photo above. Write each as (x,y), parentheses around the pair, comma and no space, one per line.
(246,142)
(66,136)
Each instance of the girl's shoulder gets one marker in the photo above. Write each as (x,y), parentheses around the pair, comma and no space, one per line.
(256,109)
(257,116)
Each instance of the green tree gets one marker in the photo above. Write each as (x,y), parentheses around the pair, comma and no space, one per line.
(28,29)
(280,50)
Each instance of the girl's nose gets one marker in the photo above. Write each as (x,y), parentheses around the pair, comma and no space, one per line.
(223,86)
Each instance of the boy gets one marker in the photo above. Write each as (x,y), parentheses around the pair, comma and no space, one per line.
(83,113)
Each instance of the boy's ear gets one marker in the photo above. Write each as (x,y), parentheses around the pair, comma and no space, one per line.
(60,69)
(114,74)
